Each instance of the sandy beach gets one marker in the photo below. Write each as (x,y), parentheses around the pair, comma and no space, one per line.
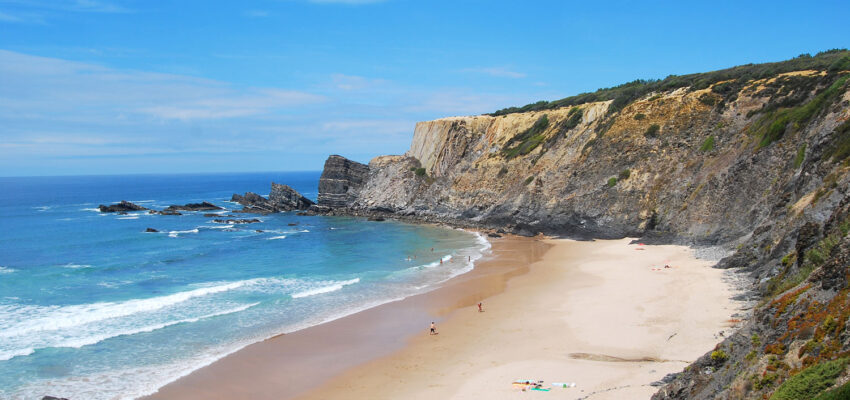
(606,315)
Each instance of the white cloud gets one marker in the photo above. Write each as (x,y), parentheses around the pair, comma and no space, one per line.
(499,72)
(37,85)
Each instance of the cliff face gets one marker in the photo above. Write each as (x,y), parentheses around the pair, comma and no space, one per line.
(668,163)
(341,181)
(759,166)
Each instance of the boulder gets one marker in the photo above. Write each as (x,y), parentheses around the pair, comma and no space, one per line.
(121,206)
(151,230)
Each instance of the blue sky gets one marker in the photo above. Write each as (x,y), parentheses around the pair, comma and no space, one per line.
(122,86)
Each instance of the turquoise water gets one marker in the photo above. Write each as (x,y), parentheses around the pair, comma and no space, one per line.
(92,307)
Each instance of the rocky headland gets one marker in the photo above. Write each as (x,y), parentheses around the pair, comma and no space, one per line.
(752,161)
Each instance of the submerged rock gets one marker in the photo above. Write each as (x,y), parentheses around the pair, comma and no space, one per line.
(151,230)
(123,205)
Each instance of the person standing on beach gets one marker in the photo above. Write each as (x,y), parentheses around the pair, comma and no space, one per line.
(479,307)
(433,329)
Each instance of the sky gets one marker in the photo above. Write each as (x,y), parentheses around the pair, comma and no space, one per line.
(125,87)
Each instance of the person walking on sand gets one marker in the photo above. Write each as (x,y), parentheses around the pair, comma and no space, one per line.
(433,329)
(479,307)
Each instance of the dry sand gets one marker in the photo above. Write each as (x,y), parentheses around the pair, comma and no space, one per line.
(601,314)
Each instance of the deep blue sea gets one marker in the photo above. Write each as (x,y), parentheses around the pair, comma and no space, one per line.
(92,307)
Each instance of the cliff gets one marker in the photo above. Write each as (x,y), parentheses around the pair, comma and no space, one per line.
(341,181)
(753,159)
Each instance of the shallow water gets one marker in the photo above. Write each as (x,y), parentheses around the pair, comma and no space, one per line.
(93,307)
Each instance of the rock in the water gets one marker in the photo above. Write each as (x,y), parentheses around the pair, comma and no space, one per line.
(281,198)
(203,206)
(121,206)
(210,215)
(292,224)
(152,230)
(378,219)
(341,181)
(53,398)
(165,212)
(236,221)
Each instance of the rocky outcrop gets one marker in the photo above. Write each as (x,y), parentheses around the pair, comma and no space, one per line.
(341,182)
(203,206)
(122,206)
(281,198)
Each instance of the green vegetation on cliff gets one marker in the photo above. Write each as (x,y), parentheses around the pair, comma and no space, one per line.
(811,381)
(622,95)
(528,140)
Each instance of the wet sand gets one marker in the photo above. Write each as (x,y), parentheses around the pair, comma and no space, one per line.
(601,314)
(288,365)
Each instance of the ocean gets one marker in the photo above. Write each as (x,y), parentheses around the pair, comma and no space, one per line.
(94,307)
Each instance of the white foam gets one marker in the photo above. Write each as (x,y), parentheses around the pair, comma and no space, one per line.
(16,320)
(42,208)
(76,266)
(90,209)
(101,336)
(215,226)
(325,289)
(174,234)
(6,270)
(277,237)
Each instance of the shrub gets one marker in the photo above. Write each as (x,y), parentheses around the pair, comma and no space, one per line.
(707,144)
(529,179)
(612,181)
(528,140)
(755,339)
(841,148)
(625,174)
(811,381)
(708,99)
(624,94)
(801,155)
(420,171)
(640,116)
(719,356)
(503,171)
(652,131)
(573,118)
(773,125)
(840,393)
(841,64)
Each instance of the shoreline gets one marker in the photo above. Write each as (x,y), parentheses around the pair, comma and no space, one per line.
(286,365)
(577,323)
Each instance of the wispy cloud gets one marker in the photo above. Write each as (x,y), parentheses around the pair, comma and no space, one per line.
(39,11)
(499,72)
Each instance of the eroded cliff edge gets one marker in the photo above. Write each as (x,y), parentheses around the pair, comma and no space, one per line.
(757,165)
